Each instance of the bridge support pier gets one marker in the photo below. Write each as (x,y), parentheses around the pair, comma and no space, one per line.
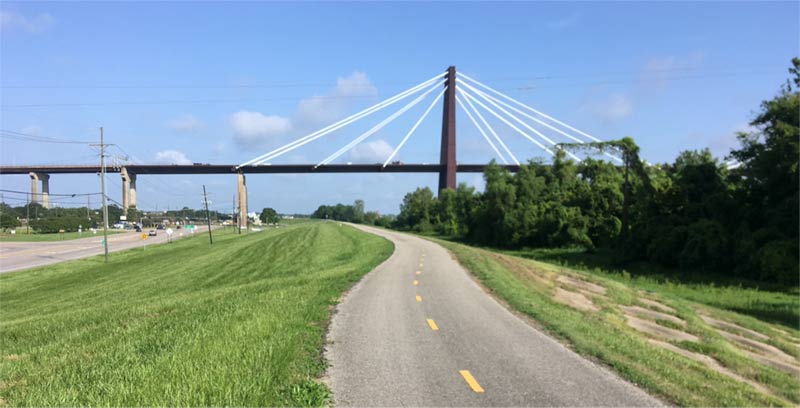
(242,190)
(45,179)
(447,175)
(128,190)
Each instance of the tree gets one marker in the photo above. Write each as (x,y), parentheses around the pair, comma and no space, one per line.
(269,216)
(416,210)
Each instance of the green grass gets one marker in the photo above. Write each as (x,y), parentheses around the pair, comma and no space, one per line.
(769,303)
(22,236)
(240,323)
(605,336)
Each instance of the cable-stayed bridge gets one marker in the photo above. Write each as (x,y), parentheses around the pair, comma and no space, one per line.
(480,102)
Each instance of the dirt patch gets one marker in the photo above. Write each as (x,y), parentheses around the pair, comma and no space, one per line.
(576,300)
(581,284)
(652,314)
(713,364)
(656,305)
(732,327)
(659,331)
(765,353)
(14,357)
(522,269)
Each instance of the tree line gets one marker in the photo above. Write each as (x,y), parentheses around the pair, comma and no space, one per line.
(695,213)
(352,213)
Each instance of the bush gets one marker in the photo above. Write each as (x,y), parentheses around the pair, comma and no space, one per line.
(55,224)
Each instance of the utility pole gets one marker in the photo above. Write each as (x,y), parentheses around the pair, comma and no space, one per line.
(233,214)
(28,214)
(88,208)
(208,217)
(103,192)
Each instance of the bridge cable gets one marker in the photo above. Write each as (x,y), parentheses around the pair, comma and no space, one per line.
(380,126)
(474,122)
(414,128)
(511,125)
(488,126)
(537,112)
(518,120)
(332,127)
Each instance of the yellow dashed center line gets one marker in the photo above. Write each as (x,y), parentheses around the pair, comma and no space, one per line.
(433,325)
(416,282)
(419,298)
(470,380)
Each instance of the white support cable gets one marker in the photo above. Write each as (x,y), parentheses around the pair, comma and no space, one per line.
(518,120)
(414,128)
(537,112)
(347,121)
(379,126)
(535,119)
(337,125)
(511,125)
(485,123)
(475,122)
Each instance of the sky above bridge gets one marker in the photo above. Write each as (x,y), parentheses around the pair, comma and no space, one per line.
(188,82)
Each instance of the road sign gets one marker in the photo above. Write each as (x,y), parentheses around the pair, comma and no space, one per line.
(191,227)
(169,231)
(144,236)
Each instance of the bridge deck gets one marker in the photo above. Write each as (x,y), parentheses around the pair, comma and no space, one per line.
(231,169)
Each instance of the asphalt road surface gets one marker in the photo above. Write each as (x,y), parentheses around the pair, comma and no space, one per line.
(435,338)
(17,255)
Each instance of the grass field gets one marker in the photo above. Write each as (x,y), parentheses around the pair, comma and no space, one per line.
(685,348)
(240,323)
(22,236)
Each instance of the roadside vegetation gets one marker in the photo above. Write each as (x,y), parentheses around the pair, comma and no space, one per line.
(239,323)
(671,339)
(22,235)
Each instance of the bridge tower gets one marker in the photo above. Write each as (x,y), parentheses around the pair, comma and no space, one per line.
(447,174)
(45,195)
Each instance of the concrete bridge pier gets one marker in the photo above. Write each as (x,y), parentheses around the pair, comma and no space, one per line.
(128,189)
(242,190)
(45,196)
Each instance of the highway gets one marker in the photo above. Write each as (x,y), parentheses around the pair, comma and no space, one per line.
(18,255)
(418,331)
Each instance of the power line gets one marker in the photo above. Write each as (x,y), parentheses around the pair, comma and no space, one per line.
(49,194)
(10,134)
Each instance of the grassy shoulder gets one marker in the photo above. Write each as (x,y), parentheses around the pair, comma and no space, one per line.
(689,352)
(22,236)
(240,323)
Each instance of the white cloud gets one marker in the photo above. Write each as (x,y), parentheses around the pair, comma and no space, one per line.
(10,20)
(324,109)
(252,129)
(172,157)
(33,130)
(616,106)
(186,123)
(564,22)
(375,151)
(658,70)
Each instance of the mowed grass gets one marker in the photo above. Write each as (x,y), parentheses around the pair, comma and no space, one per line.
(605,336)
(22,236)
(239,323)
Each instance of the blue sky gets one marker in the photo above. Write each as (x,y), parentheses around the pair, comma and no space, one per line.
(225,82)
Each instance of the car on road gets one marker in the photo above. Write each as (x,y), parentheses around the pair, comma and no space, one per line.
(152,233)
(160,226)
(138,228)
